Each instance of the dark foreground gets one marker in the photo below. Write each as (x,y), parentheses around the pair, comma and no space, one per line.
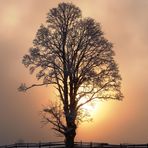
(77,145)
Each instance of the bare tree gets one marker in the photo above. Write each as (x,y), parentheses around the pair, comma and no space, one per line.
(71,53)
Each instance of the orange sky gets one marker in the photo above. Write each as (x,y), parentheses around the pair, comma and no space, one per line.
(125,24)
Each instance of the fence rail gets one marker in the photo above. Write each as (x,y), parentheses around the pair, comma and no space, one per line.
(77,145)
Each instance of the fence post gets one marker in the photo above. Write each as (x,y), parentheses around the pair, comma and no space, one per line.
(90,144)
(39,144)
(81,144)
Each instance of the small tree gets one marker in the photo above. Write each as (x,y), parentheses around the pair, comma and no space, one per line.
(71,53)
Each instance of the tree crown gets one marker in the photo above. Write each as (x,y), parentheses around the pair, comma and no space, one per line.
(72,53)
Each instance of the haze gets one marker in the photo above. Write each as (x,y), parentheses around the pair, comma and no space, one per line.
(125,23)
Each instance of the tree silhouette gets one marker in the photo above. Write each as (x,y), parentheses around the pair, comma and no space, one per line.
(71,53)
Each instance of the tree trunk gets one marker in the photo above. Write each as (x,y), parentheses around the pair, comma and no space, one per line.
(69,141)
(70,136)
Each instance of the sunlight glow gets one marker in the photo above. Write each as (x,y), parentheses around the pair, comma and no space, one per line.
(98,109)
(92,106)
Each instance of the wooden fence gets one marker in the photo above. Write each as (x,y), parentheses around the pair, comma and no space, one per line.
(77,145)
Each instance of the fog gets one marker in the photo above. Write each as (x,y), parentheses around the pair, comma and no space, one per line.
(124,23)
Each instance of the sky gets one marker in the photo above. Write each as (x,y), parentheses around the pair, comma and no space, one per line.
(124,23)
